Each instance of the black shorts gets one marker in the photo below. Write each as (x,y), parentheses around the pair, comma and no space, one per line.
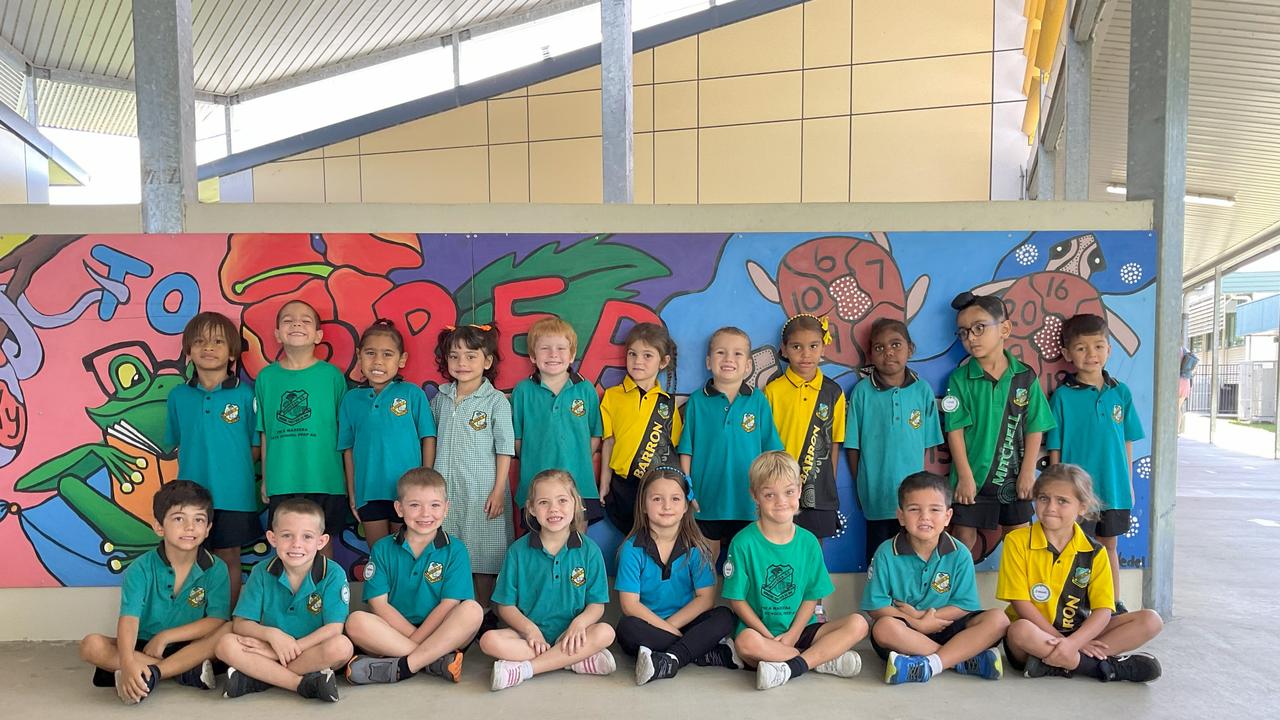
(380,510)
(987,513)
(335,507)
(722,530)
(107,678)
(1111,523)
(807,636)
(942,637)
(621,507)
(877,532)
(822,523)
(234,529)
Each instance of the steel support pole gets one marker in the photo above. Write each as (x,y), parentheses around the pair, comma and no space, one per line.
(1079,68)
(616,118)
(166,111)
(1215,349)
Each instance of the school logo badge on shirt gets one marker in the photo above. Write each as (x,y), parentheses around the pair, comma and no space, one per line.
(914,419)
(399,407)
(664,410)
(1020,397)
(824,411)
(578,577)
(1117,414)
(295,407)
(748,422)
(941,582)
(196,597)
(346,594)
(578,408)
(315,603)
(1040,592)
(950,404)
(435,571)
(479,421)
(779,583)
(728,567)
(369,570)
(231,413)
(1081,577)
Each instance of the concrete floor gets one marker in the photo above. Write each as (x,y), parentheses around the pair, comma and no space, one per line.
(1213,652)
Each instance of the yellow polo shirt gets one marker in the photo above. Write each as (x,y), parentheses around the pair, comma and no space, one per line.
(638,422)
(1065,586)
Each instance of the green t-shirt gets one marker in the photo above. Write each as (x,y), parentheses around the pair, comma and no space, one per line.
(147,592)
(775,579)
(298,416)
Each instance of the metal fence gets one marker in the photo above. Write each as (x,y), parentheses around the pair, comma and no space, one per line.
(1228,390)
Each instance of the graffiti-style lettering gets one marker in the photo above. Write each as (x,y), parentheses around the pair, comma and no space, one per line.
(421,310)
(171,322)
(603,351)
(119,267)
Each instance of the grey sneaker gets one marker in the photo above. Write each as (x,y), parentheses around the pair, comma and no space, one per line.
(366,670)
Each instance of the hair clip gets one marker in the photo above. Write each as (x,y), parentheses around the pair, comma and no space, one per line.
(822,321)
(486,327)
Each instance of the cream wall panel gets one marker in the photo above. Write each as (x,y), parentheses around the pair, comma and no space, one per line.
(675,167)
(13,169)
(508,120)
(675,106)
(343,149)
(922,155)
(828,32)
(642,108)
(509,173)
(826,91)
(642,157)
(588,79)
(752,98)
(911,84)
(566,171)
(568,115)
(309,155)
(893,29)
(342,179)
(676,61)
(456,175)
(283,182)
(642,68)
(825,162)
(521,92)
(767,43)
(749,163)
(460,127)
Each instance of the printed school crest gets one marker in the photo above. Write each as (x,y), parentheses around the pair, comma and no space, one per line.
(728,567)
(369,570)
(824,411)
(950,404)
(748,422)
(479,421)
(578,577)
(1117,414)
(664,410)
(294,407)
(578,408)
(231,413)
(941,582)
(914,419)
(196,597)
(399,407)
(779,583)
(1081,577)
(1020,397)
(315,603)
(1040,592)
(435,571)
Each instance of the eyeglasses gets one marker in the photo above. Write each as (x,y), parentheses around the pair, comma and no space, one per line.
(974,330)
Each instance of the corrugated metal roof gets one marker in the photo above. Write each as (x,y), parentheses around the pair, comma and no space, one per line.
(79,107)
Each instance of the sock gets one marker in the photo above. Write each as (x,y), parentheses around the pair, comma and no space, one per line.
(1088,666)
(403,667)
(935,663)
(798,666)
(526,670)
(680,652)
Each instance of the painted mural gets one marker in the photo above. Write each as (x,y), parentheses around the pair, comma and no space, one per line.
(90,328)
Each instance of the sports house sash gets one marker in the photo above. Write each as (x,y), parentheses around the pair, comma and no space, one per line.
(817,475)
(654,448)
(1006,459)
(1073,599)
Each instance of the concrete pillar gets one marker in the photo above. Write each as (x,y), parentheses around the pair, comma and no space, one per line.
(1159,69)
(166,111)
(1046,171)
(616,100)
(1079,67)
(1215,349)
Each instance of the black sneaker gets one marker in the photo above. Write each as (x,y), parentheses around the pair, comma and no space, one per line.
(447,666)
(1137,667)
(240,684)
(200,676)
(722,655)
(321,685)
(1037,668)
(654,666)
(153,677)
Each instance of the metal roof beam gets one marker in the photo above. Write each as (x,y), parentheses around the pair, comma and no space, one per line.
(32,136)
(74,77)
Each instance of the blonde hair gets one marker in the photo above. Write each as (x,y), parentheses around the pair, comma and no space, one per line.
(772,466)
(421,478)
(550,326)
(727,330)
(579,523)
(1077,478)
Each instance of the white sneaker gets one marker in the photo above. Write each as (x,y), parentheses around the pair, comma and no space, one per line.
(771,675)
(846,665)
(602,663)
(506,674)
(733,653)
(644,665)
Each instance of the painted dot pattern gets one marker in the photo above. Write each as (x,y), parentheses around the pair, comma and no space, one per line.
(1130,273)
(1048,339)
(1026,254)
(1144,468)
(851,301)
(1134,526)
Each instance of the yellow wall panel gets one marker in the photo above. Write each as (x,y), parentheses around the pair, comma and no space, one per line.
(642,68)
(825,163)
(460,127)
(521,92)
(566,171)
(567,115)
(343,149)
(508,120)
(509,173)
(911,84)
(457,175)
(675,106)
(642,108)
(675,167)
(828,32)
(826,92)
(749,163)
(766,43)
(588,79)
(676,61)
(293,181)
(893,29)
(642,156)
(342,179)
(922,155)
(751,98)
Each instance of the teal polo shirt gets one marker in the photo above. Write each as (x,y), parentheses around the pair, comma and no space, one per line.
(323,597)
(1093,426)
(722,439)
(667,587)
(551,590)
(146,592)
(215,432)
(416,585)
(892,428)
(898,574)
(384,432)
(555,431)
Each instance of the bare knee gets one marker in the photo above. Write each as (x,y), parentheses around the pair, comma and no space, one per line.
(601,634)
(227,647)
(470,611)
(856,624)
(358,622)
(749,643)
(93,646)
(1152,624)
(1022,633)
(489,642)
(337,650)
(888,630)
(996,619)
